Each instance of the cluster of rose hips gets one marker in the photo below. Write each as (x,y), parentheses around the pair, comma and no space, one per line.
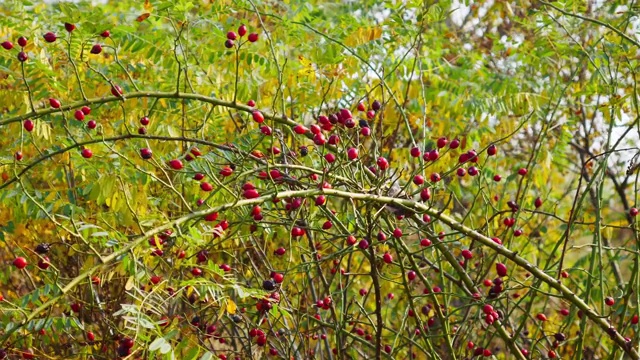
(344,117)
(242,31)
(22,41)
(51,37)
(79,115)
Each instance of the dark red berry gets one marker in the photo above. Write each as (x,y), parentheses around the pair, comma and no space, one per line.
(78,115)
(501,269)
(146,153)
(492,150)
(29,125)
(257,117)
(278,278)
(242,30)
(43,248)
(176,164)
(415,152)
(370,115)
(44,263)
(425,194)
(560,337)
(54,103)
(609,301)
(383,164)
(352,153)
(116,91)
(96,49)
(50,37)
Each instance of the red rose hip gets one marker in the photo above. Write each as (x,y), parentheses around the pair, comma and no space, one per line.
(20,262)
(50,37)
(54,103)
(29,125)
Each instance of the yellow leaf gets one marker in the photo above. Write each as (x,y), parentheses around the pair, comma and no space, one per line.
(307,69)
(231,307)
(363,35)
(112,201)
(20,230)
(147,5)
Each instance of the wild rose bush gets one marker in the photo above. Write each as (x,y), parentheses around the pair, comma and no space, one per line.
(318,180)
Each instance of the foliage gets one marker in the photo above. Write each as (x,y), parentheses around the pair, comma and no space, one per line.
(294,244)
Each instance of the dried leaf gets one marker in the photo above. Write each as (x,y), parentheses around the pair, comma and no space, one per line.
(143,17)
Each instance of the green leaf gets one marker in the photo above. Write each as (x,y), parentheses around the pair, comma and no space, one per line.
(171,334)
(76,323)
(192,353)
(10,326)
